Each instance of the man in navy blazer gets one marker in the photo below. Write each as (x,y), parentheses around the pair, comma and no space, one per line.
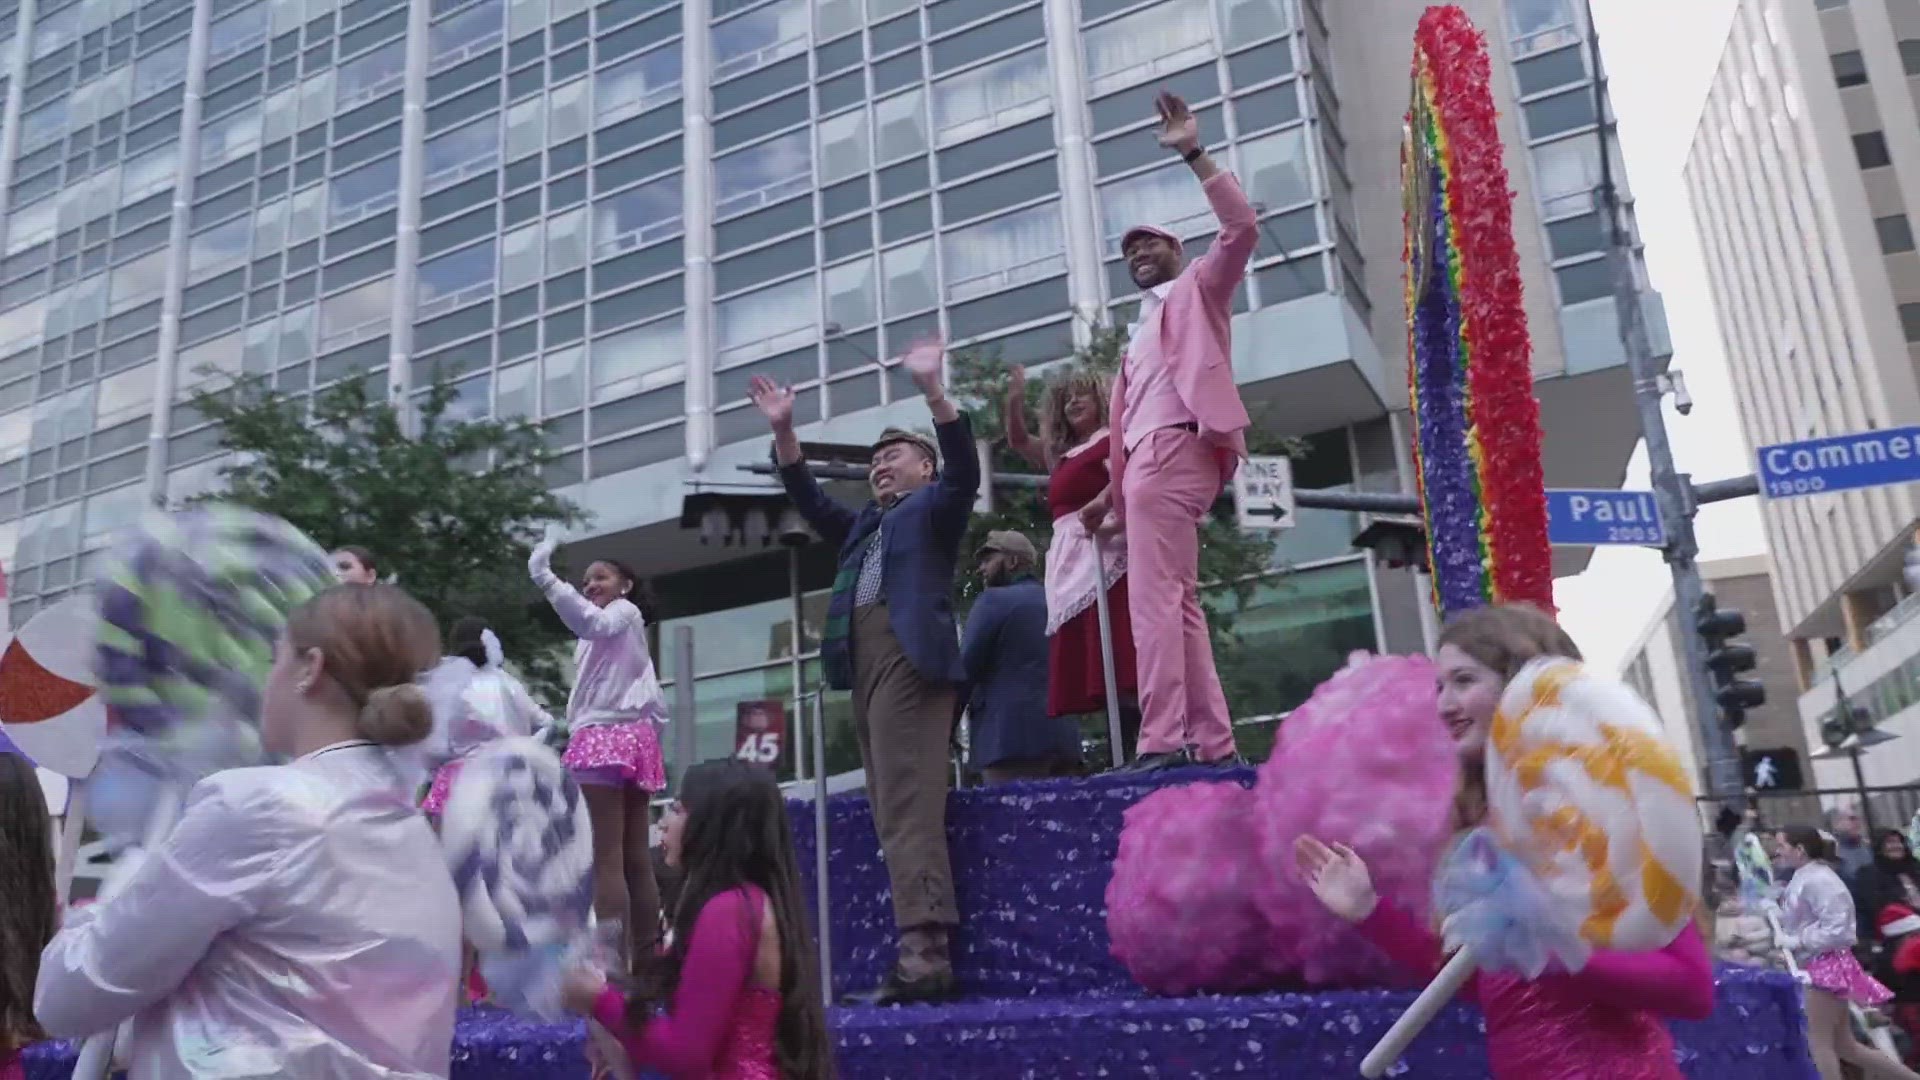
(1005,654)
(890,638)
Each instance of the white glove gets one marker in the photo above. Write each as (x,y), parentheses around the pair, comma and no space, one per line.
(538,563)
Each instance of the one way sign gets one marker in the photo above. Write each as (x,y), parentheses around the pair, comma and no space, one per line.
(1263,492)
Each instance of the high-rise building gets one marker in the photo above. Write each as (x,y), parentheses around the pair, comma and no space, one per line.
(1804,176)
(611,216)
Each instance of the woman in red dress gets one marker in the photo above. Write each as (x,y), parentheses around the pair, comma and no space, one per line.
(1073,448)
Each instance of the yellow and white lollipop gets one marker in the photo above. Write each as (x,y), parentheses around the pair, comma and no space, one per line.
(1591,840)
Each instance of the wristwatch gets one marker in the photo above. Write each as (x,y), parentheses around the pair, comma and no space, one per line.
(1193,155)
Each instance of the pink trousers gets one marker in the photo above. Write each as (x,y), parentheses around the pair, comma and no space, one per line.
(1170,481)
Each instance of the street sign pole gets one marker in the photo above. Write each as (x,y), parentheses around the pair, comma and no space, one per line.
(1670,487)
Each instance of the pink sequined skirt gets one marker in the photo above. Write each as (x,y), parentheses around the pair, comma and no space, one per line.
(435,803)
(1839,974)
(617,755)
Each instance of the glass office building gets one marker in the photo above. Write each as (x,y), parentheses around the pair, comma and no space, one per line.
(611,216)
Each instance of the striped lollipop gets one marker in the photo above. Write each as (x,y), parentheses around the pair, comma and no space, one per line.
(518,841)
(1469,374)
(191,603)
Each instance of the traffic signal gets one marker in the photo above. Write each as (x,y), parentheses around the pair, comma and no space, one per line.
(1727,659)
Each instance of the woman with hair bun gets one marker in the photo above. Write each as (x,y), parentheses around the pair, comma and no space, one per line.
(299,920)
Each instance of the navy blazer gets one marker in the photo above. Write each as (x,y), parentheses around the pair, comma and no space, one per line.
(1005,653)
(919,548)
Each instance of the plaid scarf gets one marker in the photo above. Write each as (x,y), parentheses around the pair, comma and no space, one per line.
(836,652)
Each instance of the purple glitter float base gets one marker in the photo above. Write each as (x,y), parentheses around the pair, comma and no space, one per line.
(1032,863)
(1753,1034)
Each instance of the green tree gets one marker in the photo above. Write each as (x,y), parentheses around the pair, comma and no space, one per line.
(1231,561)
(452,509)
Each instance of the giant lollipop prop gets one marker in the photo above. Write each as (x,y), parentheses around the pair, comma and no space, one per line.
(520,846)
(190,606)
(1590,842)
(50,712)
(1470,375)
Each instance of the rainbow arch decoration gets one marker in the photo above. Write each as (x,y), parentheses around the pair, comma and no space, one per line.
(1477,443)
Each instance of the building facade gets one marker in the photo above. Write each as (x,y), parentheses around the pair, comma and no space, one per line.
(1655,667)
(1804,175)
(611,216)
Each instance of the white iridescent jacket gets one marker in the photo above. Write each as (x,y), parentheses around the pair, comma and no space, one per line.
(298,922)
(1817,913)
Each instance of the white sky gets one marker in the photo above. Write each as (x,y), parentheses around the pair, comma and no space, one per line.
(1660,56)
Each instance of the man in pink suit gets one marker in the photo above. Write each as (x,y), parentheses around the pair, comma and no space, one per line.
(1178,435)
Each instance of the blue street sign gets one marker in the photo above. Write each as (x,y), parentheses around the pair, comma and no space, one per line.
(1581,518)
(1841,463)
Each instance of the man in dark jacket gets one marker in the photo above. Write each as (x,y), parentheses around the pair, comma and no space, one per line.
(1005,654)
(890,638)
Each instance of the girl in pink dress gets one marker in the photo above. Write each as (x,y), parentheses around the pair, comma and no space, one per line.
(742,999)
(613,745)
(28,913)
(1820,928)
(1604,1022)
(1073,448)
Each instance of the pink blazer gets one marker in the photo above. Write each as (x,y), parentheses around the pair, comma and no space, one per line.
(1196,337)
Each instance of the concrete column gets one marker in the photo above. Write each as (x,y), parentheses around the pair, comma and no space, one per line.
(696,103)
(1085,270)
(406,246)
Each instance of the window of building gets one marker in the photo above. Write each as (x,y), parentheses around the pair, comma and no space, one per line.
(622,362)
(567,111)
(768,321)
(1539,25)
(563,380)
(900,124)
(226,139)
(367,190)
(237,32)
(1870,149)
(454,280)
(516,392)
(356,313)
(1277,169)
(1849,68)
(111,511)
(568,237)
(909,280)
(759,37)
(159,69)
(1910,321)
(1251,20)
(1896,234)
(633,86)
(831,18)
(465,151)
(638,216)
(762,174)
(368,76)
(221,246)
(992,96)
(1000,253)
(125,395)
(143,175)
(852,293)
(843,146)
(1910,55)
(1828,5)
(1168,197)
(1147,44)
(467,34)
(1549,116)
(520,257)
(140,280)
(1584,281)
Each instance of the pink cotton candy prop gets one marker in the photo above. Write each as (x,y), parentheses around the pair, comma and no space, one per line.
(1180,908)
(1366,762)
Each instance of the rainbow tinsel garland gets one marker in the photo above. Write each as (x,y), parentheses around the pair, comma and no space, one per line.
(1470,374)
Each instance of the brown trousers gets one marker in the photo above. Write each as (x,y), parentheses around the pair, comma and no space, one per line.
(902,720)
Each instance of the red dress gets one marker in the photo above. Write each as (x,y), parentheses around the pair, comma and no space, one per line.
(1075,682)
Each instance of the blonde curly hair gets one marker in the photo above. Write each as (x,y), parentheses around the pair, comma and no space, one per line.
(1056,434)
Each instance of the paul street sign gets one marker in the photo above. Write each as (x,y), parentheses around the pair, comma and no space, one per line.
(1841,463)
(1583,518)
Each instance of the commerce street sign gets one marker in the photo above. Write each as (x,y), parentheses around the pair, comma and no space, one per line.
(1840,463)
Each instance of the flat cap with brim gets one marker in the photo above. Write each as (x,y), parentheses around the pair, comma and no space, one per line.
(1139,231)
(902,435)
(1008,542)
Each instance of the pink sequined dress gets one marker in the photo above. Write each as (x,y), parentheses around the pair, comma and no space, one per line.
(720,1026)
(617,705)
(1817,915)
(1605,1022)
